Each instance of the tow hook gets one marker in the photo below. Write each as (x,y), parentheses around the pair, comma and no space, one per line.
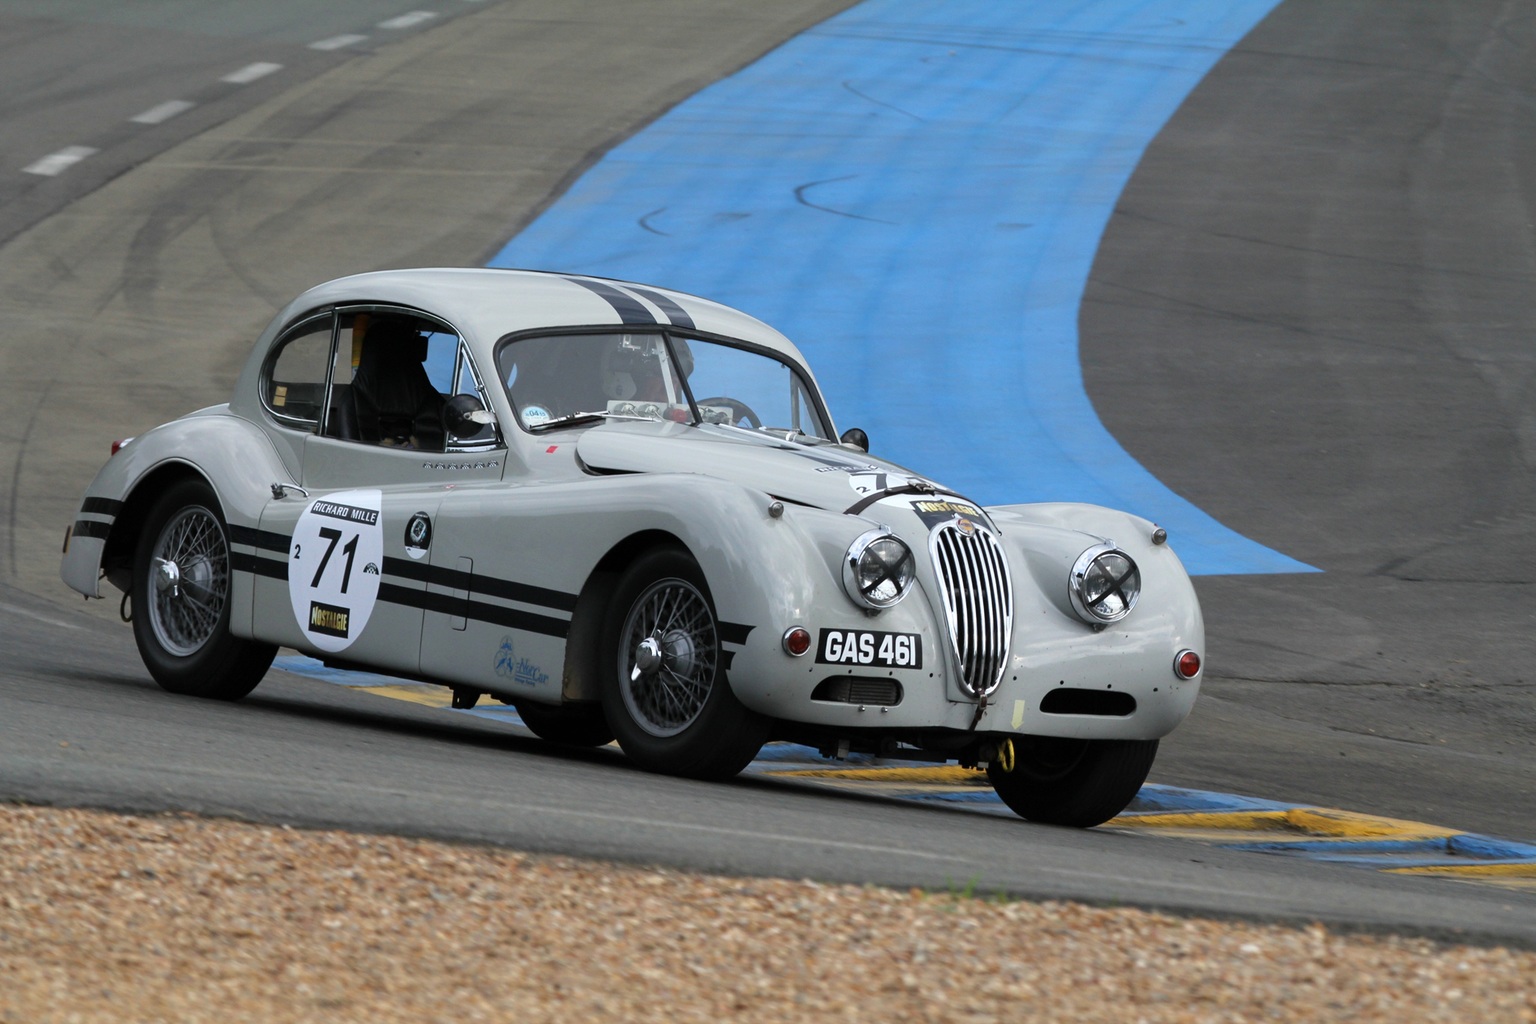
(1000,757)
(464,699)
(125,610)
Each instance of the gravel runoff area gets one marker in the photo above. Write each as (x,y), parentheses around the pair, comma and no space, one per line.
(109,917)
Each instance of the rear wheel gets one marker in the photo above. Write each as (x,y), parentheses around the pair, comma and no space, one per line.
(572,725)
(665,692)
(1081,783)
(181,590)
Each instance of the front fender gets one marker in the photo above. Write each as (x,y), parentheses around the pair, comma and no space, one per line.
(1053,647)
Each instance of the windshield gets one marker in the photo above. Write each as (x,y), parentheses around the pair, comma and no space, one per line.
(572,378)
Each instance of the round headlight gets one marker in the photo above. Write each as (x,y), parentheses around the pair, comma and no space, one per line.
(1105,584)
(878,570)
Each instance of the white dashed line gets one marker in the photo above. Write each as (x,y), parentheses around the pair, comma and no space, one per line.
(410,20)
(336,42)
(251,72)
(53,163)
(163,112)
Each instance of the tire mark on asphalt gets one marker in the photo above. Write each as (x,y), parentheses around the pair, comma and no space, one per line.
(801,190)
(12,504)
(880,103)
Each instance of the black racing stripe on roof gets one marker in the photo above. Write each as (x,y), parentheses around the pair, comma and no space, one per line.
(675,313)
(478,584)
(100,506)
(627,306)
(265,540)
(496,615)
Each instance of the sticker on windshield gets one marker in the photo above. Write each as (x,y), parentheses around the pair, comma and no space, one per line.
(333,566)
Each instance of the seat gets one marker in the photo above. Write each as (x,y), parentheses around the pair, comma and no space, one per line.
(395,403)
(341,421)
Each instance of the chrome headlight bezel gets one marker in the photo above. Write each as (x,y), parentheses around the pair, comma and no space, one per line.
(871,543)
(1090,572)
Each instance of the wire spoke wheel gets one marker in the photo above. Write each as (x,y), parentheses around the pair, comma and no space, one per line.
(666,694)
(668,655)
(190,581)
(182,598)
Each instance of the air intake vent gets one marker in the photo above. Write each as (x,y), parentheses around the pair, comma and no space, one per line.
(1067,700)
(978,601)
(858,690)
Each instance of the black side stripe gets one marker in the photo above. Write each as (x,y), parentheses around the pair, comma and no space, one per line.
(101,506)
(488,586)
(627,306)
(496,615)
(258,566)
(91,528)
(734,633)
(675,313)
(264,540)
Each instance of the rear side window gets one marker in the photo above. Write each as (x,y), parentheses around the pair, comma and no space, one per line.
(294,387)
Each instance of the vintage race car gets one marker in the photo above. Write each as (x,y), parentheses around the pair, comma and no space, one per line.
(625,511)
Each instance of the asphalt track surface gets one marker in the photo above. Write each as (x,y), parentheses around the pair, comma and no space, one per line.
(914,192)
(1308,316)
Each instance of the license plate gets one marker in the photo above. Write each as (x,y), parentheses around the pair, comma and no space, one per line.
(869,648)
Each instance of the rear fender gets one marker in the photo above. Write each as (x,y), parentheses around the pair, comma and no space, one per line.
(229,453)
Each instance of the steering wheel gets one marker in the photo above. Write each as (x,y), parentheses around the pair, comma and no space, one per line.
(739,410)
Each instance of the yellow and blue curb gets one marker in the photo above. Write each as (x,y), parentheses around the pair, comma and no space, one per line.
(1223,820)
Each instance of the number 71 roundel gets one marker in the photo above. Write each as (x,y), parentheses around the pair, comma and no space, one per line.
(334,565)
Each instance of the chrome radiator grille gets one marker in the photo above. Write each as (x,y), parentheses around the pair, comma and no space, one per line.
(978,599)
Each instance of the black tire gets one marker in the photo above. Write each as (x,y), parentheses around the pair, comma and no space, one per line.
(671,707)
(1080,783)
(181,590)
(571,725)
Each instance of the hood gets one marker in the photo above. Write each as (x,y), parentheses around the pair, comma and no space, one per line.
(826,476)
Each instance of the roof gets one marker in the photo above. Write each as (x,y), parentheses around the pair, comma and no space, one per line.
(487,304)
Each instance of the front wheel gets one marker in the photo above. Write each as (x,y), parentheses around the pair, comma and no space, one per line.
(1080,783)
(665,692)
(181,590)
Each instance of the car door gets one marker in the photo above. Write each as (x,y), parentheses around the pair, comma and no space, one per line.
(359,528)
(486,627)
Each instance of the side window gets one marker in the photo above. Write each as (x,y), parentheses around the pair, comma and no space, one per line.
(380,389)
(294,389)
(394,382)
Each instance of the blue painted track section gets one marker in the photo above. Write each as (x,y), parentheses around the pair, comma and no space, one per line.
(914,191)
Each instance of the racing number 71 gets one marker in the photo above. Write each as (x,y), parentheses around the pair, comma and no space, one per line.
(349,549)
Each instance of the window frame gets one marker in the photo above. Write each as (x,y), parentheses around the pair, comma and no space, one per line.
(289,335)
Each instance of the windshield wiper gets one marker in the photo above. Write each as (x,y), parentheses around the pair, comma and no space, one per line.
(569,420)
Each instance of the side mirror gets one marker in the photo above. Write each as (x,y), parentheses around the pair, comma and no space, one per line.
(855,438)
(465,415)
